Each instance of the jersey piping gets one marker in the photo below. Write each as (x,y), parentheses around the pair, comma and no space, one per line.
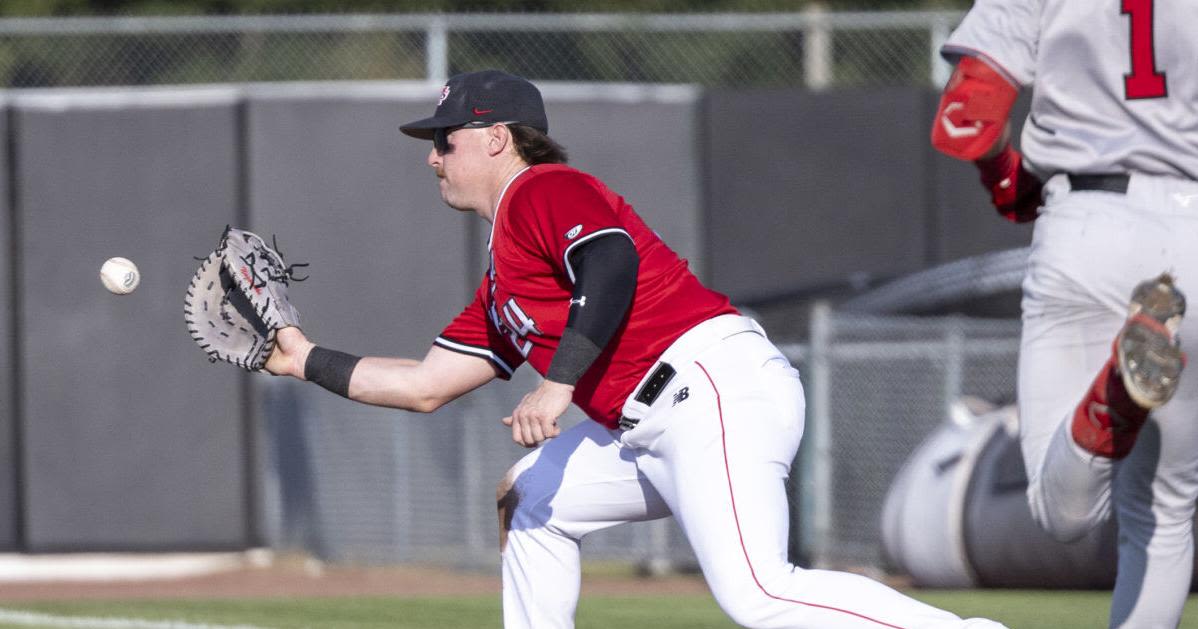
(472,350)
(589,237)
(951,51)
(499,204)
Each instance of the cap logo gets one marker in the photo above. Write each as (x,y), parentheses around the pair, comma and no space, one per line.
(482,112)
(444,95)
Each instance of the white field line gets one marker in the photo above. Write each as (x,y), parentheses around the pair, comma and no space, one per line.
(118,566)
(17,617)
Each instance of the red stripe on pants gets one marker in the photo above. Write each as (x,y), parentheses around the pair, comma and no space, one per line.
(736,518)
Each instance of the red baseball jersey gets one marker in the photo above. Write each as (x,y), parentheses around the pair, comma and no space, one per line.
(522,305)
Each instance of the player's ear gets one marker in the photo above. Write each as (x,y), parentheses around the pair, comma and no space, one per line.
(499,139)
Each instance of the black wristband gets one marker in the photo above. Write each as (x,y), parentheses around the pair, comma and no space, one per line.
(330,369)
(575,353)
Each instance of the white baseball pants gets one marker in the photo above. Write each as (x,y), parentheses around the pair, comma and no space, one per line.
(714,450)
(1089,251)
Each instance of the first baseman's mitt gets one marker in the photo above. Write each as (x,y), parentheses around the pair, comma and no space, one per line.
(238,299)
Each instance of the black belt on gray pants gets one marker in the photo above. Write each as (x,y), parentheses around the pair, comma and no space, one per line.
(1111,182)
(652,388)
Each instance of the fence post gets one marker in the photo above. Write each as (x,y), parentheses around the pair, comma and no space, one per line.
(437,50)
(954,360)
(817,48)
(815,498)
(405,490)
(938,34)
(475,515)
(658,561)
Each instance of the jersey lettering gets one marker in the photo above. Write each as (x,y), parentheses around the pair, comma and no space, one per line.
(1144,81)
(519,326)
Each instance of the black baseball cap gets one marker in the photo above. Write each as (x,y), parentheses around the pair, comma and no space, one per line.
(484,97)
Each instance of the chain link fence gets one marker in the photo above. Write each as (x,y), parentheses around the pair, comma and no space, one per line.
(813,48)
(351,483)
(876,387)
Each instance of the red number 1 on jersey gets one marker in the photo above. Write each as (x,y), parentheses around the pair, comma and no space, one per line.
(1143,81)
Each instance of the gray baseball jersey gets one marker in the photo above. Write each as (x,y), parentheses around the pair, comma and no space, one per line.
(1115,81)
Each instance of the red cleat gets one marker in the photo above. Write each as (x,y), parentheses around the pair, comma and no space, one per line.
(1147,360)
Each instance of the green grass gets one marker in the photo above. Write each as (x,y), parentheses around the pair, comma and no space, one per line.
(1032,609)
(1016,609)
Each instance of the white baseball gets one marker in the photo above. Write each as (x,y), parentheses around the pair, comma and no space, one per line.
(120,276)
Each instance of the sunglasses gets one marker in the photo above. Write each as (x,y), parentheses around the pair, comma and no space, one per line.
(441,136)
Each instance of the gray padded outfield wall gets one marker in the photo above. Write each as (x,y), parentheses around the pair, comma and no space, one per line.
(132,440)
(9,451)
(807,190)
(794,200)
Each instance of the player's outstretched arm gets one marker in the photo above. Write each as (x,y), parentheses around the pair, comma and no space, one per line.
(414,385)
(422,386)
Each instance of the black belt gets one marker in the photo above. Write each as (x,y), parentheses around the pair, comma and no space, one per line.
(649,392)
(1113,182)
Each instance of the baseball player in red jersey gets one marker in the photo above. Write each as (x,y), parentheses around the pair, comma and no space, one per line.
(696,413)
(1109,419)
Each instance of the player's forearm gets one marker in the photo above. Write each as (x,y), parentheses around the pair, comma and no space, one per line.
(421,386)
(390,382)
(395,383)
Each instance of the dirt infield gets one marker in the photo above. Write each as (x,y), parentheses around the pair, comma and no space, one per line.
(304,579)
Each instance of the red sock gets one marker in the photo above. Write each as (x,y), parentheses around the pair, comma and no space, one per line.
(1107,420)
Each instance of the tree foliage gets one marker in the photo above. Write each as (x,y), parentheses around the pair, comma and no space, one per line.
(44,8)
(743,59)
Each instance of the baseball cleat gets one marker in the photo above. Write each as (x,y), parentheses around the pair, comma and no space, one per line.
(1147,348)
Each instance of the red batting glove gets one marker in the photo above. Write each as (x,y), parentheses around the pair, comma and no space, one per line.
(1014,191)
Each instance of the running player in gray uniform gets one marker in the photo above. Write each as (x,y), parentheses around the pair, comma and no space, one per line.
(1110,158)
